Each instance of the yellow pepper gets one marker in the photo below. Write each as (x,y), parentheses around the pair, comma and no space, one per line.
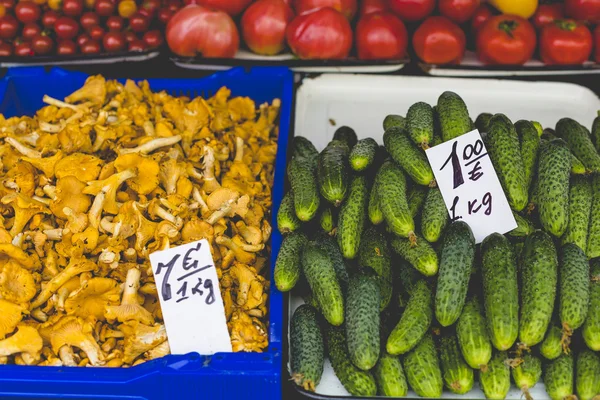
(521,8)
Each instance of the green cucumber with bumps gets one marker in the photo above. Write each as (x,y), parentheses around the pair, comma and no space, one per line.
(422,369)
(527,374)
(419,124)
(593,243)
(393,120)
(577,167)
(458,377)
(287,221)
(415,321)
(500,290)
(346,135)
(329,245)
(580,143)
(391,191)
(596,133)
(495,380)
(587,375)
(306,348)
(303,148)
(363,154)
(288,265)
(524,226)
(374,253)
(390,377)
(574,289)
(326,220)
(352,217)
(333,172)
(453,116)
(591,326)
(434,218)
(558,378)
(416,198)
(530,145)
(580,204)
(408,155)
(304,188)
(473,337)
(420,255)
(457,255)
(551,348)
(554,169)
(374,208)
(482,123)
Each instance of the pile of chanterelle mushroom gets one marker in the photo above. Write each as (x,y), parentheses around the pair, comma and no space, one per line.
(91,186)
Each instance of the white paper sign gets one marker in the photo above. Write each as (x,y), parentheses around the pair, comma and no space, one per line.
(469,185)
(190,298)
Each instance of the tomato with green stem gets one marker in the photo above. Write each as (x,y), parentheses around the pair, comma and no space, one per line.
(506,40)
(565,42)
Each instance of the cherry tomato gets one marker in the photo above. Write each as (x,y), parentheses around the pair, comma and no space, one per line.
(115,23)
(72,8)
(42,45)
(27,11)
(137,45)
(96,33)
(49,18)
(547,13)
(153,38)
(30,30)
(565,42)
(89,19)
(91,47)
(114,41)
(130,36)
(82,39)
(458,11)
(6,49)
(66,48)
(482,14)
(23,49)
(8,4)
(66,28)
(127,8)
(104,8)
(8,27)
(439,41)
(139,23)
(506,40)
(164,15)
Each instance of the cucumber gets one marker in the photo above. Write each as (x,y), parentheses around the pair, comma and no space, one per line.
(320,274)
(453,116)
(591,326)
(553,192)
(407,276)
(500,290)
(551,347)
(473,338)
(363,154)
(574,290)
(458,377)
(527,374)
(333,172)
(362,321)
(419,124)
(408,156)
(354,380)
(435,216)
(374,208)
(420,255)
(587,379)
(393,120)
(482,123)
(530,145)
(423,369)
(580,142)
(538,127)
(389,376)
(502,144)
(596,133)
(524,227)
(287,221)
(352,217)
(391,191)
(593,244)
(374,253)
(495,380)
(577,167)
(539,276)
(304,149)
(304,188)
(559,378)
(326,221)
(347,135)
(329,246)
(416,199)
(306,348)
(288,264)
(415,321)
(457,255)
(580,204)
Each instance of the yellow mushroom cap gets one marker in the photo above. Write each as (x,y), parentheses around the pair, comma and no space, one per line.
(69,194)
(11,314)
(92,298)
(85,167)
(146,168)
(16,283)
(73,331)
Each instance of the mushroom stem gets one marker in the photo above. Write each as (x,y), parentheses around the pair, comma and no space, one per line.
(21,148)
(149,128)
(42,200)
(31,138)
(50,191)
(66,355)
(51,128)
(239,149)
(198,197)
(39,315)
(60,104)
(151,145)
(132,285)
(95,213)
(54,234)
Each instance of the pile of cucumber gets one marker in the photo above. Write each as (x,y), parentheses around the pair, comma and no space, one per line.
(397,296)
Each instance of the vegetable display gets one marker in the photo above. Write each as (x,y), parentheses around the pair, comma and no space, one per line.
(94,183)
(461,315)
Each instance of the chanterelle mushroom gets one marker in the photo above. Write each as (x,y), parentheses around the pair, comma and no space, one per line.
(16,283)
(140,338)
(93,297)
(26,340)
(73,331)
(130,309)
(11,314)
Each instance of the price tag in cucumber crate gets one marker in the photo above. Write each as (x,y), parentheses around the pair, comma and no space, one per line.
(190,299)
(470,186)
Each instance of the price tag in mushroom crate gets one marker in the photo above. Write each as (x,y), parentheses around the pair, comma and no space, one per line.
(190,298)
(470,186)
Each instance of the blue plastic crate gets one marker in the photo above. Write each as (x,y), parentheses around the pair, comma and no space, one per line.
(192,376)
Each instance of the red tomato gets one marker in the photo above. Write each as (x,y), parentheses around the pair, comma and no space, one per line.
(72,8)
(372,6)
(458,11)
(321,34)
(49,18)
(597,42)
(196,29)
(91,47)
(547,13)
(115,23)
(381,36)
(130,36)
(82,39)
(114,41)
(439,41)
(164,15)
(137,45)
(42,45)
(89,19)
(139,23)
(506,40)
(66,48)
(23,49)
(565,42)
(231,7)
(346,7)
(151,6)
(27,11)
(66,28)
(583,10)
(412,10)
(153,39)
(263,26)
(6,49)
(30,30)
(482,14)
(8,27)
(96,33)
(104,8)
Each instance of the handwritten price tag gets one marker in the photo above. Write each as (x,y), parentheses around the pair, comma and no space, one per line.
(470,186)
(190,298)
